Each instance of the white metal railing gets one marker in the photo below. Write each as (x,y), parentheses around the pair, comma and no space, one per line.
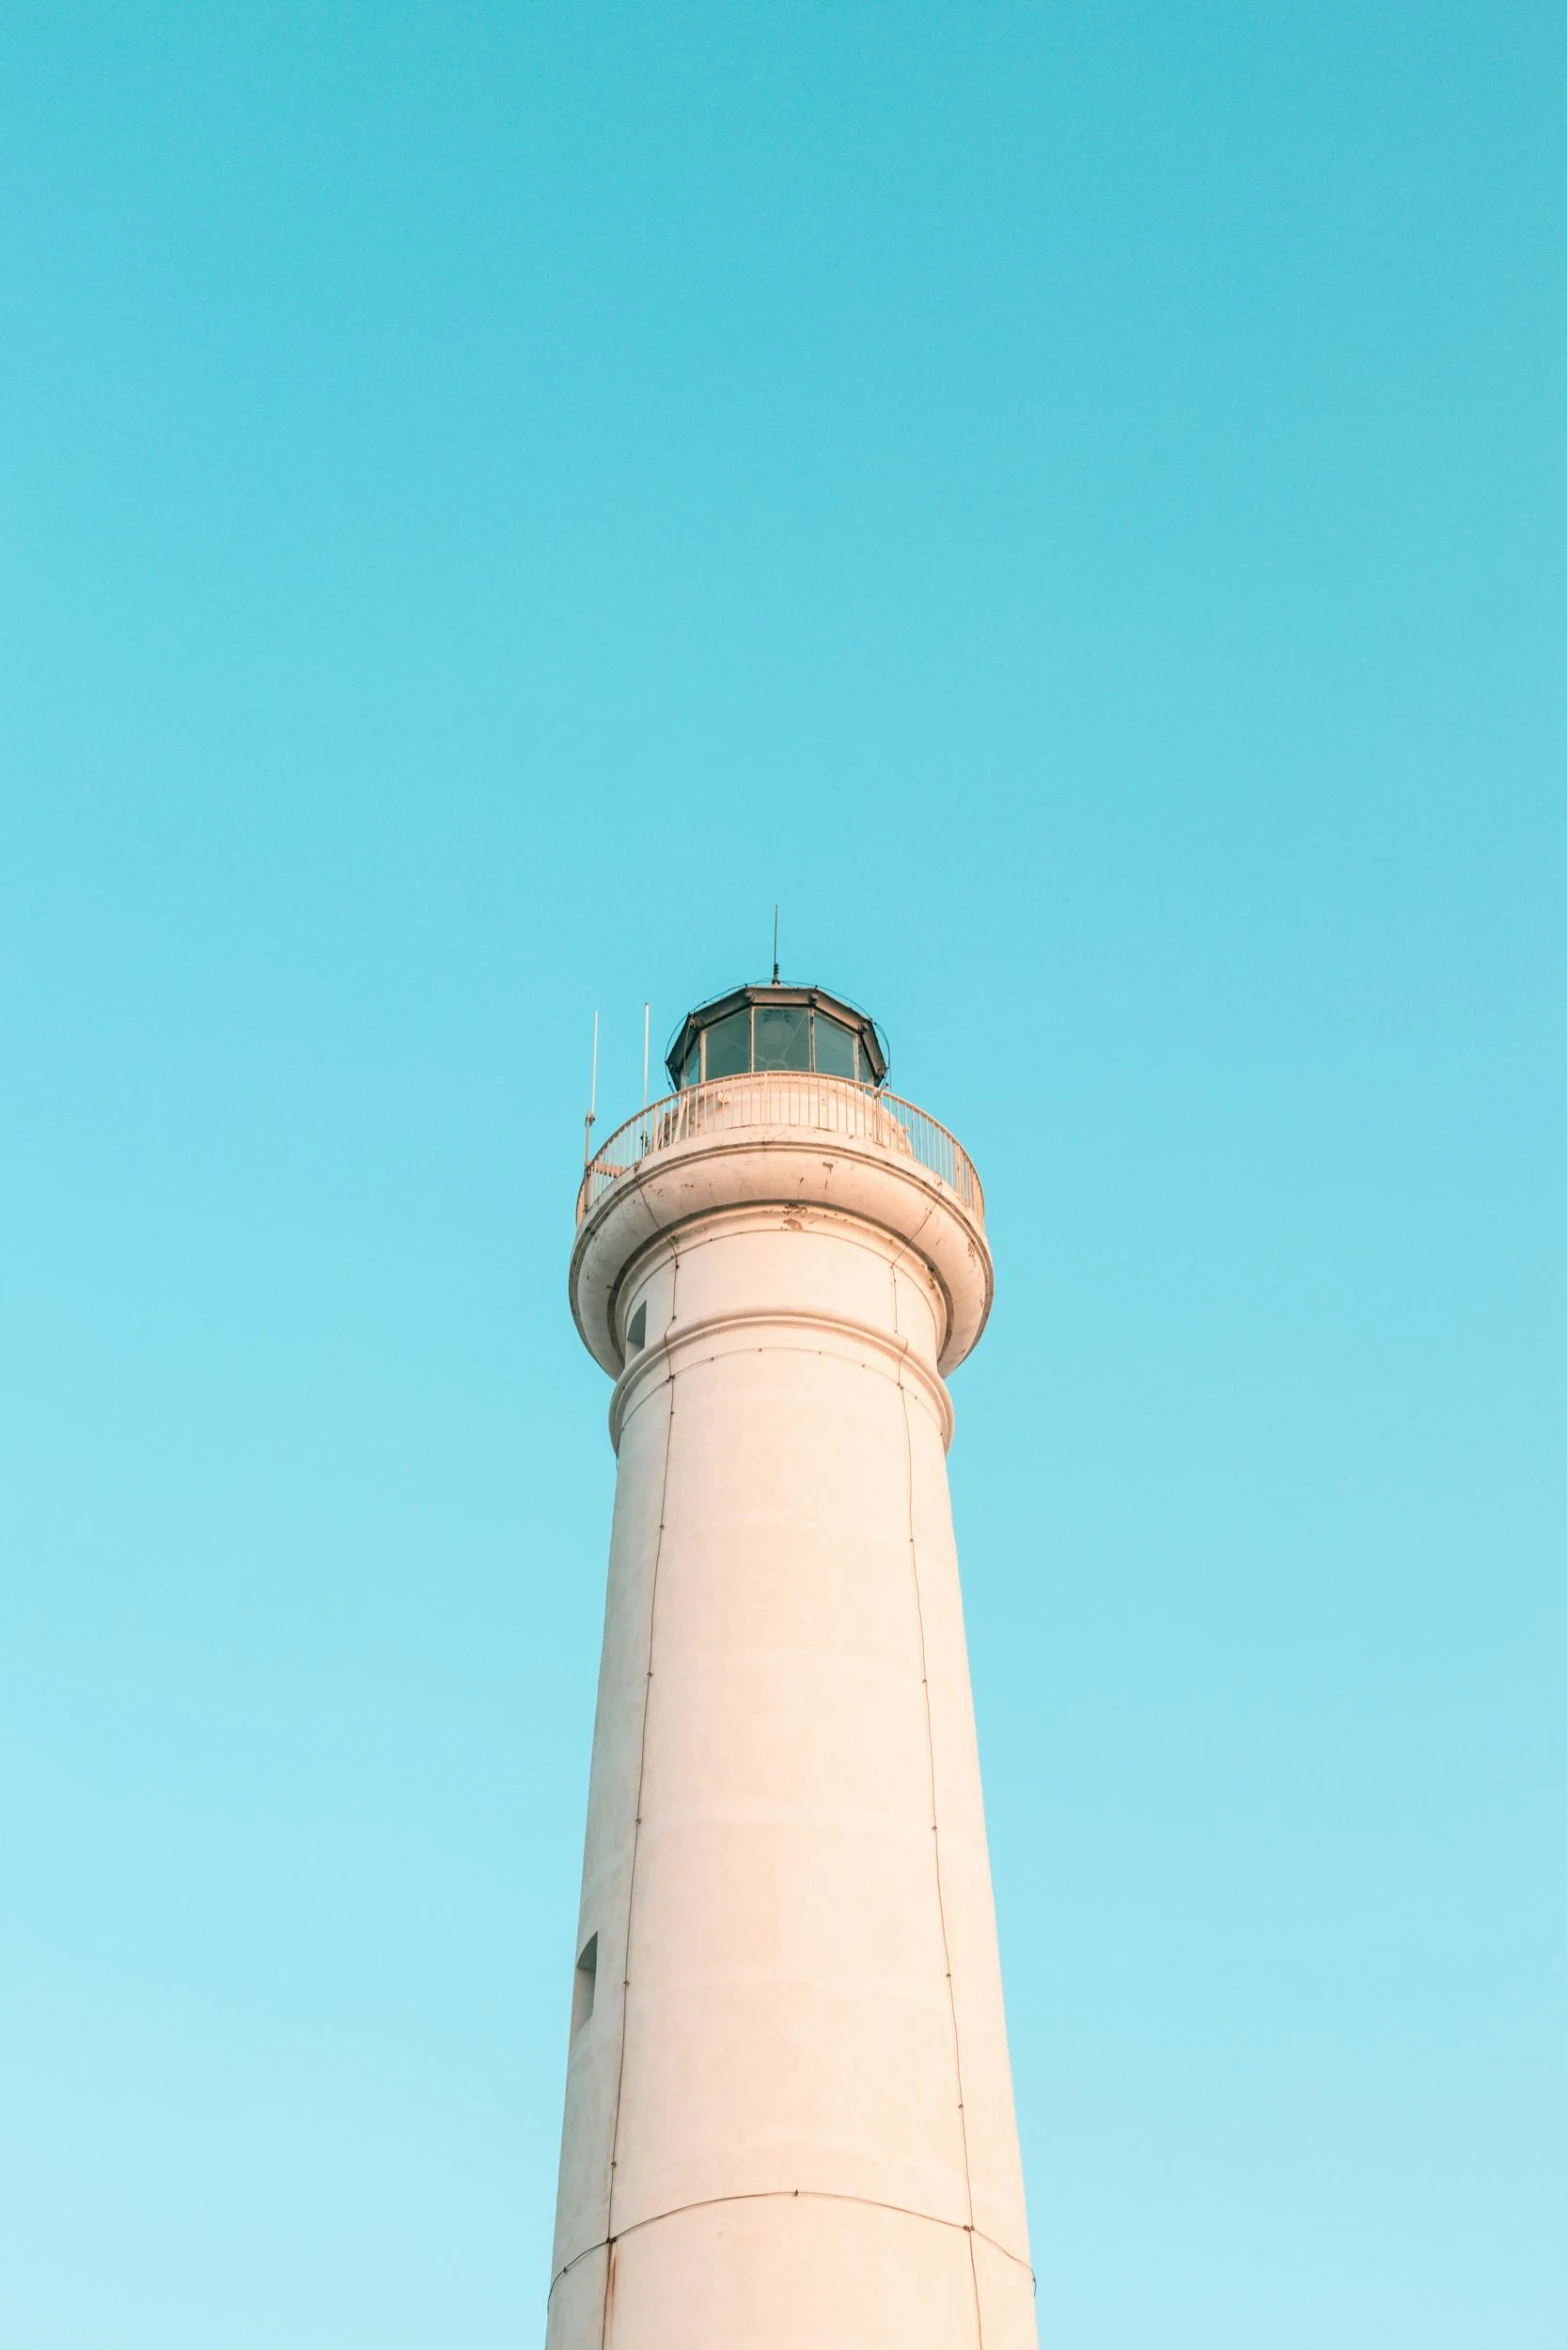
(783,1097)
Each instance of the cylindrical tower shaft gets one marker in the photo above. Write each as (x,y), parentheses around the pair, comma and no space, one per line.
(789,2116)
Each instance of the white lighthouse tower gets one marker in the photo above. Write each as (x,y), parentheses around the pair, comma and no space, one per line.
(789,2119)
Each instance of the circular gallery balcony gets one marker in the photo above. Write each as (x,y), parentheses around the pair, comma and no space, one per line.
(799,1104)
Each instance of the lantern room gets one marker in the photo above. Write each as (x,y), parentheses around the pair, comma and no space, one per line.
(776,1027)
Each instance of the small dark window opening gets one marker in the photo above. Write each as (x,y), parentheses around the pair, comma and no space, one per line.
(583,1984)
(636,1329)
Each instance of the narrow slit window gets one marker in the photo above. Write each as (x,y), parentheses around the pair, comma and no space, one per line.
(583,1984)
(636,1329)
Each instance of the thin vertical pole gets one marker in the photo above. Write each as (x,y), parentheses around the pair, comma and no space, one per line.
(593,1100)
(775,946)
(647,1014)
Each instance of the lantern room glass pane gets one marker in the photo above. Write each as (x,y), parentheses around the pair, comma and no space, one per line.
(729,1045)
(691,1073)
(783,1036)
(834,1047)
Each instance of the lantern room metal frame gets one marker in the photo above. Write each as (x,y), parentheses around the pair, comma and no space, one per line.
(688,1056)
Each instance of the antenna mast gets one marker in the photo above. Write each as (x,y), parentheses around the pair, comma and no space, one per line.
(775,946)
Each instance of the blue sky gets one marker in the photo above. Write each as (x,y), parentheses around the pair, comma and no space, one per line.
(1070,502)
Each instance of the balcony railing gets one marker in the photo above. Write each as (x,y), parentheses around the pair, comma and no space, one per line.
(780,1097)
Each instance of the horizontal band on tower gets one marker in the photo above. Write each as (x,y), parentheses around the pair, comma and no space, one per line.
(790,2195)
(895,1351)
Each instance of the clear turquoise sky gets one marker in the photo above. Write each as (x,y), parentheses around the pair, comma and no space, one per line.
(1070,501)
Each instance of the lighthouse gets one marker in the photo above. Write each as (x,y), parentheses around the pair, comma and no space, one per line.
(789,2120)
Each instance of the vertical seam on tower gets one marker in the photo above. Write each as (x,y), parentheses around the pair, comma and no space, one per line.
(636,1831)
(935,1832)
